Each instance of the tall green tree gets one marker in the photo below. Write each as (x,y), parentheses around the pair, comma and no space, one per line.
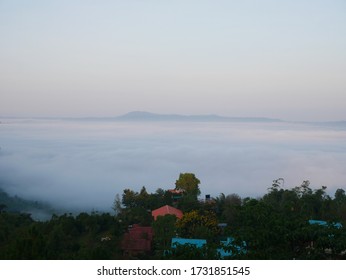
(189,183)
(164,229)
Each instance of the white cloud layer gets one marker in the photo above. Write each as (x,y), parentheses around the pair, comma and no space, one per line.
(83,165)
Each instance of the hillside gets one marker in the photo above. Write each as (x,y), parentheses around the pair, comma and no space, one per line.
(15,204)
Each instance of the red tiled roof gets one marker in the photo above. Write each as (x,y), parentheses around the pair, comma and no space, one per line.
(135,245)
(174,191)
(167,210)
(138,239)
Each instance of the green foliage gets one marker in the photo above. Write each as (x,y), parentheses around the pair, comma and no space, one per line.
(189,183)
(198,224)
(191,252)
(164,230)
(188,203)
(138,205)
(274,226)
(339,206)
(227,208)
(63,237)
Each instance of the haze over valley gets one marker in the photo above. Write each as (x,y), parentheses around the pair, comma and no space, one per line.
(83,164)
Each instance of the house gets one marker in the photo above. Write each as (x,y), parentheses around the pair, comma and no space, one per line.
(176,194)
(199,243)
(225,249)
(324,223)
(137,240)
(167,210)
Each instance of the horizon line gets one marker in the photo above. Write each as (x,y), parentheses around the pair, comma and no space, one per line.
(158,115)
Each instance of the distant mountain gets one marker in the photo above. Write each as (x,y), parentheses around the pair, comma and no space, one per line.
(147,116)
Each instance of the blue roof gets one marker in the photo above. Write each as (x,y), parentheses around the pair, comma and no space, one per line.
(318,222)
(187,241)
(324,223)
(223,251)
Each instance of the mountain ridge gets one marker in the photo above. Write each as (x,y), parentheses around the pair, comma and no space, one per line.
(148,116)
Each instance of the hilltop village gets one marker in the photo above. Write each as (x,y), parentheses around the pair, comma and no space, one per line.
(297,223)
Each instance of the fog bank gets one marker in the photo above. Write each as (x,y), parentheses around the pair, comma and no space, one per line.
(84,164)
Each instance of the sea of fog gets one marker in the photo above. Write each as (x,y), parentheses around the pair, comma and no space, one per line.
(79,164)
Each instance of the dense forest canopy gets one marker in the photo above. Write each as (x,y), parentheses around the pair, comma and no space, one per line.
(285,223)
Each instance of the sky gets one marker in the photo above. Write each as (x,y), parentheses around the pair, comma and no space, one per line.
(74,58)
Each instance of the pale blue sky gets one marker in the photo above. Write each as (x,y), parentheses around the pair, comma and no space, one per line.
(282,59)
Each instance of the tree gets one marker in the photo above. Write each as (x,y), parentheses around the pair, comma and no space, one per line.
(2,207)
(340,196)
(164,229)
(198,224)
(265,230)
(231,208)
(160,198)
(339,205)
(188,203)
(117,205)
(192,252)
(188,182)
(129,198)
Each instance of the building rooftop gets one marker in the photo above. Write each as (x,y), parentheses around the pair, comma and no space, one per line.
(137,239)
(167,210)
(187,241)
(324,223)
